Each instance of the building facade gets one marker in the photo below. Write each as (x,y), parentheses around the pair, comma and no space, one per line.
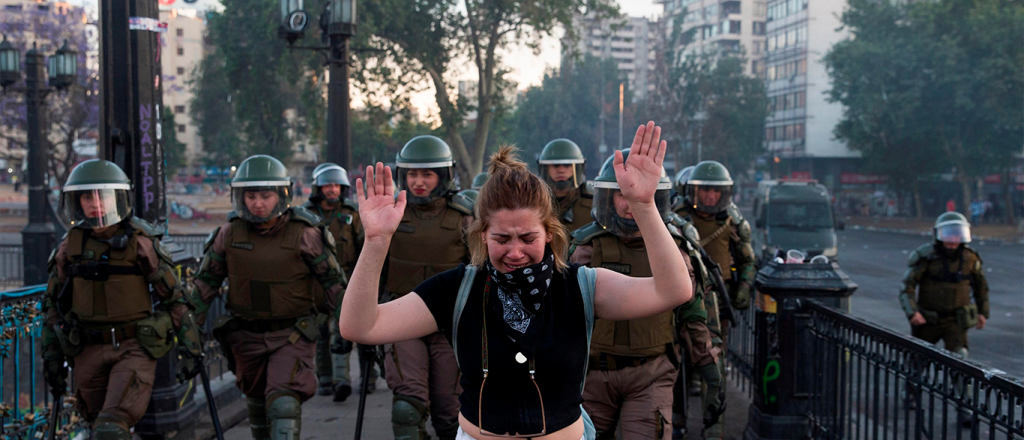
(716,26)
(630,43)
(183,48)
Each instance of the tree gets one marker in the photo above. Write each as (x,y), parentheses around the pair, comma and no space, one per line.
(422,41)
(174,150)
(930,87)
(568,104)
(72,114)
(246,86)
(708,105)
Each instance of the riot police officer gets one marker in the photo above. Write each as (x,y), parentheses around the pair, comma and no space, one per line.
(561,165)
(273,255)
(944,273)
(100,315)
(479,181)
(340,216)
(634,363)
(423,373)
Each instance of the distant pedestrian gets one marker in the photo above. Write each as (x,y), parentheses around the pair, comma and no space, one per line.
(977,210)
(950,205)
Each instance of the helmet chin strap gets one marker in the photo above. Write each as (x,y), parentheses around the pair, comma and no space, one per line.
(625,224)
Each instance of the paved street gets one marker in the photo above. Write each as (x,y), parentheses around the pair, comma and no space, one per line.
(877,260)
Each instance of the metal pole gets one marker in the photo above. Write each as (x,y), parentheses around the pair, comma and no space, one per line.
(339,140)
(37,237)
(620,116)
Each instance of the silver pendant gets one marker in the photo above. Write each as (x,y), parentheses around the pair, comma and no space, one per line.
(520,358)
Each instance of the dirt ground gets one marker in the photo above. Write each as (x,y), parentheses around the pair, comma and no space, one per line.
(996,231)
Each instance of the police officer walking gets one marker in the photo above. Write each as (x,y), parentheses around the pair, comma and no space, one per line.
(725,235)
(273,256)
(633,364)
(423,373)
(100,316)
(562,166)
(944,273)
(340,216)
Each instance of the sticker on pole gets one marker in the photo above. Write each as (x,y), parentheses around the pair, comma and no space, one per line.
(146,24)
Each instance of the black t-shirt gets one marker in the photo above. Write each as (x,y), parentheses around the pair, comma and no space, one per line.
(510,401)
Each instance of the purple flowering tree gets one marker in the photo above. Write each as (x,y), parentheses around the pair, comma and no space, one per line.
(73,114)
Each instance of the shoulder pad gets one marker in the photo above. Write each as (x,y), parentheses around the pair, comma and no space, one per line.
(308,205)
(971,250)
(922,253)
(328,238)
(146,228)
(587,190)
(587,233)
(734,214)
(232,215)
(351,204)
(163,252)
(210,239)
(675,232)
(461,203)
(305,216)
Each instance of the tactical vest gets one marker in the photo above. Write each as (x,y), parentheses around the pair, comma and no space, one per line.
(267,277)
(649,336)
(107,284)
(424,247)
(574,211)
(715,239)
(341,222)
(945,284)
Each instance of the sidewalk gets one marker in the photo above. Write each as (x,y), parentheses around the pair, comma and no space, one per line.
(909,225)
(324,419)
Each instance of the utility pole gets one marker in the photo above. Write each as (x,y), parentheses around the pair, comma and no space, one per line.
(38,236)
(621,87)
(339,138)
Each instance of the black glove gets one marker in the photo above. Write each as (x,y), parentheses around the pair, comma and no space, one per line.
(56,375)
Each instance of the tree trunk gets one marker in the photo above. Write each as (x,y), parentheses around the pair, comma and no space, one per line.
(965,186)
(1011,216)
(918,211)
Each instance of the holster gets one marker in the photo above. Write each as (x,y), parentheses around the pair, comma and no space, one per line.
(308,327)
(967,316)
(69,337)
(930,317)
(156,334)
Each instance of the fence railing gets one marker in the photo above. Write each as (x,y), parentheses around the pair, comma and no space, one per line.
(740,353)
(870,382)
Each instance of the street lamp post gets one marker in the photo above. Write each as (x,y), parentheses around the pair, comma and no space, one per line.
(38,237)
(338,23)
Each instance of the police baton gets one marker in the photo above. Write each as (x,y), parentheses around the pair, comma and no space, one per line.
(214,416)
(58,404)
(368,357)
(716,277)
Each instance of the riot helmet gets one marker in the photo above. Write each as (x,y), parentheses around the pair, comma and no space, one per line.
(480,180)
(426,153)
(605,187)
(329,174)
(952,227)
(257,181)
(679,186)
(97,194)
(707,178)
(562,152)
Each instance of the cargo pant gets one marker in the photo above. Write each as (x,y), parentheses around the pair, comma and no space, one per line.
(266,363)
(114,383)
(425,369)
(946,330)
(638,398)
(335,368)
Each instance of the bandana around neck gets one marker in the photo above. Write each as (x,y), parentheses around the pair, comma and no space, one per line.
(520,295)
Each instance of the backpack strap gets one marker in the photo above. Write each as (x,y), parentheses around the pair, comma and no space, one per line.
(460,303)
(587,278)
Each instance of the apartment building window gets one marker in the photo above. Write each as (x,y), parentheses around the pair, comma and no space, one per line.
(769,134)
(730,7)
(758,28)
(711,12)
(801,66)
(179,109)
(181,51)
(181,71)
(800,99)
(179,32)
(731,27)
(181,128)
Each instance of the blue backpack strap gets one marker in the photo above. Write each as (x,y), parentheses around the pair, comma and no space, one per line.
(587,278)
(460,303)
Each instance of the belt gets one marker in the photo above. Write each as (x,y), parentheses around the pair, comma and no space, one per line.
(108,335)
(611,362)
(263,326)
(946,314)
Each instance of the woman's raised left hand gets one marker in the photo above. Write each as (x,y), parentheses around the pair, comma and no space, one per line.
(639,174)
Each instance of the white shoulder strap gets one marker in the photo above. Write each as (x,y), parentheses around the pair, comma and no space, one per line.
(460,303)
(587,278)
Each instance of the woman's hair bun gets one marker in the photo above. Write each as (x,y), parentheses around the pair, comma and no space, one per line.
(505,161)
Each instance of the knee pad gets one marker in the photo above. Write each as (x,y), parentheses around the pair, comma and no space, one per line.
(408,417)
(111,428)
(258,418)
(962,351)
(284,411)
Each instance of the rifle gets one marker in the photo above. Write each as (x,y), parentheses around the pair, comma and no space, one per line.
(214,417)
(715,271)
(58,404)
(369,356)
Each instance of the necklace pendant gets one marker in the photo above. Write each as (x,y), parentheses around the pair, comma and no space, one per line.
(520,358)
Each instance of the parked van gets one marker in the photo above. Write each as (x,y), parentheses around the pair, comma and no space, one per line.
(792,214)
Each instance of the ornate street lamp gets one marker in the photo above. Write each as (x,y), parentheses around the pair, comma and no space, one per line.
(293,20)
(10,64)
(63,67)
(343,17)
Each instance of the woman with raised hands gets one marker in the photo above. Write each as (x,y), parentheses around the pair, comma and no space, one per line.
(519,318)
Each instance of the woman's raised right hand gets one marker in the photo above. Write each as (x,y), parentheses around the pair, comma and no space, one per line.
(379,210)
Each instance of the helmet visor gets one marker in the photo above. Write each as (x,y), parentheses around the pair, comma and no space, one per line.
(707,198)
(444,182)
(95,208)
(260,204)
(617,219)
(562,176)
(954,233)
(336,175)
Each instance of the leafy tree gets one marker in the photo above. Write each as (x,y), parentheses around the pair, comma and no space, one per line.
(174,150)
(705,101)
(421,41)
